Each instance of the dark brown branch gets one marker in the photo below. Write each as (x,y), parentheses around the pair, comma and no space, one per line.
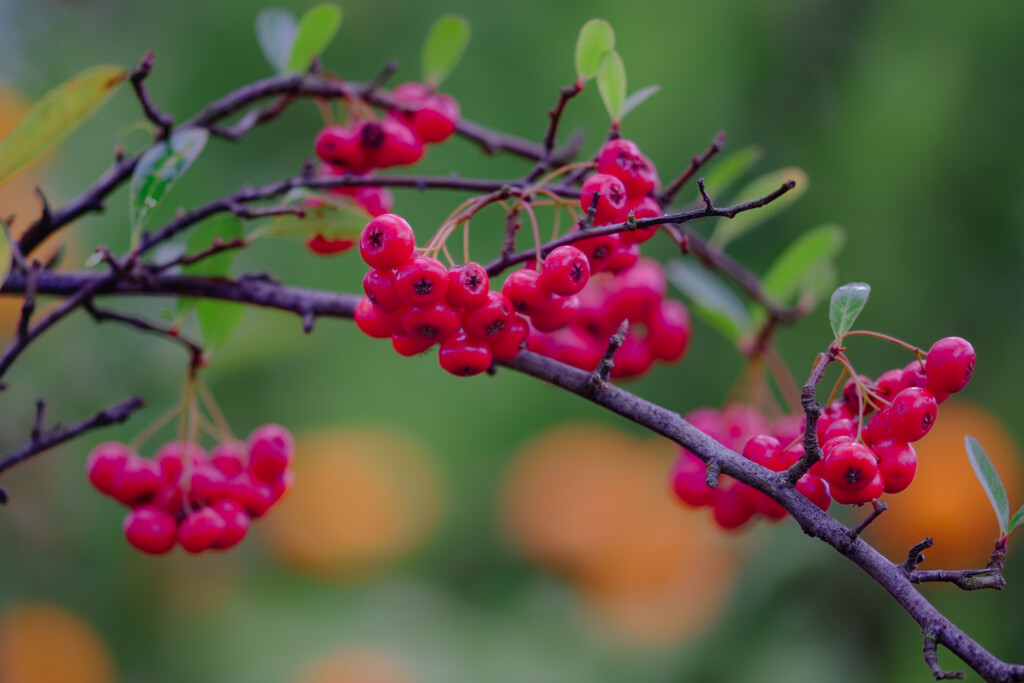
(566,93)
(696,163)
(931,658)
(964,579)
(58,435)
(599,377)
(812,411)
(915,555)
(163,121)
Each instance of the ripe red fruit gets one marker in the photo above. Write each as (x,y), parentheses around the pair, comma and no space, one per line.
(386,242)
(623,257)
(487,321)
(566,270)
(379,286)
(372,199)
(874,489)
(633,358)
(765,451)
(877,428)
(137,481)
(105,462)
(432,323)
(897,462)
(323,246)
(913,376)
(611,205)
(645,207)
(668,331)
(622,158)
(421,281)
(733,507)
(434,115)
(598,250)
(368,321)
(172,457)
(342,146)
(200,530)
(236,523)
(889,383)
(912,414)
(405,345)
(557,315)
(230,457)
(468,286)
(526,292)
(506,345)
(688,479)
(463,356)
(255,496)
(150,529)
(391,142)
(271,448)
(206,484)
(850,466)
(813,489)
(841,427)
(949,365)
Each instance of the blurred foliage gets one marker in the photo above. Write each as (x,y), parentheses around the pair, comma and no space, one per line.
(902,113)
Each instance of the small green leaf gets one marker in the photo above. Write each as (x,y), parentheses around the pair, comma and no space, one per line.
(595,40)
(276,29)
(1016,520)
(638,98)
(611,83)
(731,168)
(5,254)
(223,226)
(713,301)
(788,274)
(315,32)
(218,321)
(728,229)
(846,304)
(55,116)
(325,216)
(443,48)
(989,478)
(159,168)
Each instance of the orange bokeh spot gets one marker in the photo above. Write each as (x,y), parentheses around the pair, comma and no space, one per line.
(594,504)
(361,500)
(946,501)
(44,643)
(357,665)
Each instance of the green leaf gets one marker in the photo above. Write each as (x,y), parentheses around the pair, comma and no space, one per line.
(5,254)
(989,478)
(846,304)
(595,40)
(443,48)
(787,276)
(315,32)
(728,229)
(638,98)
(1016,520)
(159,168)
(611,83)
(731,168)
(223,226)
(276,29)
(56,116)
(324,216)
(713,301)
(218,321)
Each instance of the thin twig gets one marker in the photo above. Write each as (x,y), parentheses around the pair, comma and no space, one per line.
(599,377)
(696,163)
(163,121)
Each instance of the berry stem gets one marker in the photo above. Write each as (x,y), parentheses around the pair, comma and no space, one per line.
(155,426)
(899,342)
(211,406)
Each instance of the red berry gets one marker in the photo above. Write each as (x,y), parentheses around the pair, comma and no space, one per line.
(172,457)
(464,357)
(912,414)
(842,427)
(391,142)
(236,523)
(342,146)
(645,207)
(877,428)
(949,365)
(323,246)
(566,270)
(557,315)
(623,257)
(468,286)
(387,242)
(913,376)
(874,489)
(813,489)
(611,205)
(622,159)
(421,281)
(432,323)
(889,383)
(488,320)
(373,199)
(633,358)
(733,507)
(647,178)
(765,451)
(526,292)
(106,462)
(379,286)
(897,462)
(206,485)
(598,250)
(394,321)
(852,398)
(668,331)
(850,466)
(201,530)
(688,478)
(150,529)
(405,345)
(255,496)
(230,457)
(271,448)
(368,321)
(436,120)
(508,342)
(137,482)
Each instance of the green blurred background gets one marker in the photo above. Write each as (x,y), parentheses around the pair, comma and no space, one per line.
(904,114)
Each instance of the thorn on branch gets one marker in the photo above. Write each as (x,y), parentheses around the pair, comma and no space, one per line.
(915,556)
(704,195)
(931,658)
(599,378)
(3,496)
(712,471)
(163,121)
(28,305)
(381,78)
(37,426)
(879,508)
(308,321)
(588,221)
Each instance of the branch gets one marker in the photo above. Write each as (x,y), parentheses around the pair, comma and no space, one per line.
(812,411)
(566,93)
(138,75)
(41,442)
(599,378)
(195,350)
(696,162)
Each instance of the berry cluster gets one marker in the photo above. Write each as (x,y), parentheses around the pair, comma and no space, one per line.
(184,496)
(372,200)
(865,437)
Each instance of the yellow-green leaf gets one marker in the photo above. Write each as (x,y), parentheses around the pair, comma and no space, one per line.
(846,304)
(595,40)
(5,255)
(611,83)
(159,168)
(316,31)
(218,321)
(55,116)
(443,48)
(728,229)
